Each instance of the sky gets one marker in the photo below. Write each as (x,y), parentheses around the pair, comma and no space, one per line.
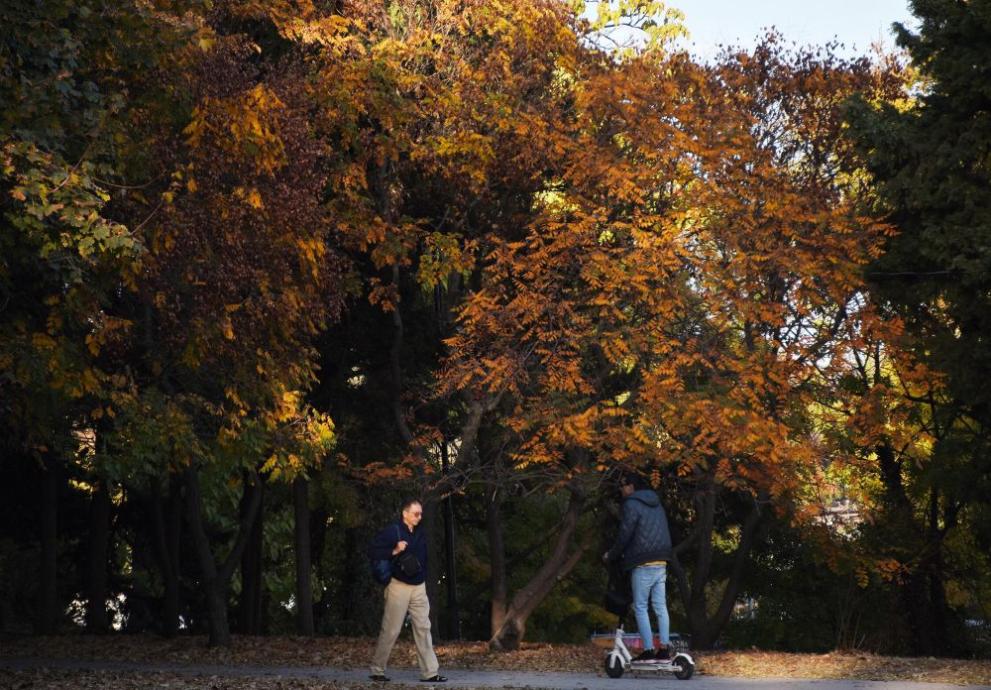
(855,23)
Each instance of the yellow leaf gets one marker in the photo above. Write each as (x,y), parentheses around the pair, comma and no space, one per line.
(43,341)
(90,381)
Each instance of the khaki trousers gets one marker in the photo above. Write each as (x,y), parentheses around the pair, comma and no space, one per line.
(400,598)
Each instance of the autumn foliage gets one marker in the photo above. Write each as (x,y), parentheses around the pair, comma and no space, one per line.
(268,258)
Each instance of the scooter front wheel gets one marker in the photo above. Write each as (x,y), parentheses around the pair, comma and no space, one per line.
(614,666)
(684,668)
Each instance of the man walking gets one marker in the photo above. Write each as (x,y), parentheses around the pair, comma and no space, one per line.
(644,545)
(406,592)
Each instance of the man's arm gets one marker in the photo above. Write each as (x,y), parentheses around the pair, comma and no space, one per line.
(627,526)
(383,544)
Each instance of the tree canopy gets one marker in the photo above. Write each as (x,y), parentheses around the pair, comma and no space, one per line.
(265,267)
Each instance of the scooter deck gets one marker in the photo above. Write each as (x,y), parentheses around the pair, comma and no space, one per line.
(665,665)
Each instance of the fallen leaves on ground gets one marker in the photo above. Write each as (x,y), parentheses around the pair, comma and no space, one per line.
(60,679)
(848,665)
(354,653)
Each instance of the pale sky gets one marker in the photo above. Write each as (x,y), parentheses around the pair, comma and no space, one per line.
(855,23)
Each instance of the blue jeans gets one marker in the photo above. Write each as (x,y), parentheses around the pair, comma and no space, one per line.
(649,583)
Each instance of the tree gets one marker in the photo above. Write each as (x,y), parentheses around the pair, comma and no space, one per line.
(450,99)
(777,257)
(174,318)
(926,153)
(507,257)
(680,293)
(239,279)
(64,256)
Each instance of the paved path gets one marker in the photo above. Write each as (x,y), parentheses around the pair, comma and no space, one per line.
(489,679)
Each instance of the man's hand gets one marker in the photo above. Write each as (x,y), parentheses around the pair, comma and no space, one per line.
(400,547)
(605,557)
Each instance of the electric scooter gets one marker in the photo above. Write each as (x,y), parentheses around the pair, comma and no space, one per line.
(619,660)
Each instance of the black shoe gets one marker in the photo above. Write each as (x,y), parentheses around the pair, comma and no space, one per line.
(662,653)
(380,678)
(434,679)
(644,656)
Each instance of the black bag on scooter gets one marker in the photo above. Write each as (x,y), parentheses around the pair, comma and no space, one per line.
(618,591)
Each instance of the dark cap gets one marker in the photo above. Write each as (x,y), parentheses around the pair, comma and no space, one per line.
(634,478)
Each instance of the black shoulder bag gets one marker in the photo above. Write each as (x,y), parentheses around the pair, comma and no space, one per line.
(407,563)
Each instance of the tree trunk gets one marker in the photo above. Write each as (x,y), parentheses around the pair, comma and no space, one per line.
(705,629)
(48,605)
(509,635)
(318,539)
(166,535)
(937,584)
(428,526)
(497,559)
(891,476)
(935,640)
(453,615)
(216,594)
(304,590)
(353,605)
(940,643)
(705,635)
(906,533)
(97,620)
(172,603)
(216,579)
(252,586)
(696,604)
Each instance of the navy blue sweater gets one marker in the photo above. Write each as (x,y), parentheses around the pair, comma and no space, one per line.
(416,543)
(643,532)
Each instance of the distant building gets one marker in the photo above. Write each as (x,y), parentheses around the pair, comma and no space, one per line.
(842,516)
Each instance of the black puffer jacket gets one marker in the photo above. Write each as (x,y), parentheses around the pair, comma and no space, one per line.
(643,532)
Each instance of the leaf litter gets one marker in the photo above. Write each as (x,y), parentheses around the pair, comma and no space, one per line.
(353,653)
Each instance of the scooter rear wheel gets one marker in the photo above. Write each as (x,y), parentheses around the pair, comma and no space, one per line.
(614,666)
(685,668)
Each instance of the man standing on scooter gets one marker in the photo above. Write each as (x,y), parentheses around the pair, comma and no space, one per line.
(644,545)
